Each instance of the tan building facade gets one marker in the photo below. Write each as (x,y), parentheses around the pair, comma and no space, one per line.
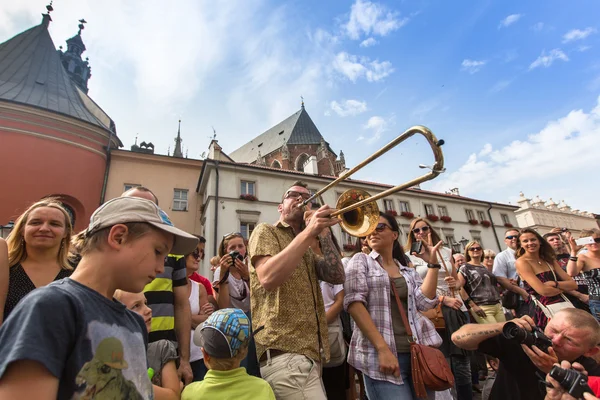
(172,179)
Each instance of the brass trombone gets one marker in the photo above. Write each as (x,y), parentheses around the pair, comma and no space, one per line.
(356,208)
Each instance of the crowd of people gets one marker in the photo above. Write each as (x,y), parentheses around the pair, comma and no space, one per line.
(119,310)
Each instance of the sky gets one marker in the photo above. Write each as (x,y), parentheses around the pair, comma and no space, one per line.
(512,87)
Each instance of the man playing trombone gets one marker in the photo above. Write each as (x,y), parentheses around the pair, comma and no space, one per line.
(286,298)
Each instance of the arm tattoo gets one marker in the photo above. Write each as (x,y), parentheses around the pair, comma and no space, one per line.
(480,333)
(329,267)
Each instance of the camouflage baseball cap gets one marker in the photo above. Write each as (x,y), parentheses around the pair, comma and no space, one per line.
(223,333)
(122,210)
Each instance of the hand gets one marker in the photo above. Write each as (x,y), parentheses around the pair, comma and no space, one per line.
(452,302)
(525,322)
(388,362)
(365,249)
(574,247)
(320,220)
(513,282)
(185,371)
(429,252)
(225,264)
(207,309)
(543,361)
(451,281)
(556,392)
(524,295)
(585,298)
(242,268)
(478,311)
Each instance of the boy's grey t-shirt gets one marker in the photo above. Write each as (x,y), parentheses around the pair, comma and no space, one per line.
(94,346)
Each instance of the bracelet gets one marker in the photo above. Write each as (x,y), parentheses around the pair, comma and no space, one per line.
(435,266)
(573,258)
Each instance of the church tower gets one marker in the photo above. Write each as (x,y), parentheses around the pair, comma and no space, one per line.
(78,69)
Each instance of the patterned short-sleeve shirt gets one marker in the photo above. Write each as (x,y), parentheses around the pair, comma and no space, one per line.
(293,315)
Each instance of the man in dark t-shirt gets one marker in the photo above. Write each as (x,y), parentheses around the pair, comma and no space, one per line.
(574,333)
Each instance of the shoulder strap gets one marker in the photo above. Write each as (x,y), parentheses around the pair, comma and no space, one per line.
(552,270)
(399,304)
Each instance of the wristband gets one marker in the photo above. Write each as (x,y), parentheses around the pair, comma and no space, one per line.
(435,266)
(573,258)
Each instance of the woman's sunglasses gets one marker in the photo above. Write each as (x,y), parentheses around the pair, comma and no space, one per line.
(381,227)
(196,254)
(489,257)
(424,229)
(475,249)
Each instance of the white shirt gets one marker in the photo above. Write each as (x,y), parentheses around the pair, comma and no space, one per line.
(239,292)
(504,264)
(329,292)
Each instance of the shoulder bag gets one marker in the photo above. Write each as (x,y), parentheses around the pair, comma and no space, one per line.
(551,309)
(510,299)
(428,365)
(337,345)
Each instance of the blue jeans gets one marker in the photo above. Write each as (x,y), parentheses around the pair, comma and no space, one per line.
(595,309)
(384,390)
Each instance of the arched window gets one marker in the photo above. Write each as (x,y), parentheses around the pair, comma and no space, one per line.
(300,161)
(275,164)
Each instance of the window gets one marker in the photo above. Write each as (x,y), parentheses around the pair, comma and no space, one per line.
(404,206)
(247,188)
(505,219)
(481,215)
(129,186)
(246,229)
(470,215)
(443,211)
(477,237)
(388,205)
(429,209)
(180,200)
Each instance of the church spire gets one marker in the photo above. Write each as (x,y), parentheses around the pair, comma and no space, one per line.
(46,18)
(78,69)
(177,152)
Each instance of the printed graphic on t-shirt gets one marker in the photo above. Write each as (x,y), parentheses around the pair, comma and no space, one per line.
(118,367)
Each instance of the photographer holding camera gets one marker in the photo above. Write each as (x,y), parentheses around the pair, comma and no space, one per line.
(526,353)
(570,382)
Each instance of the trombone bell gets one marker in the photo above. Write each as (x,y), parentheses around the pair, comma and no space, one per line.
(360,221)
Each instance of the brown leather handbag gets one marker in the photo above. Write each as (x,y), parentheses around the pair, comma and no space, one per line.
(429,366)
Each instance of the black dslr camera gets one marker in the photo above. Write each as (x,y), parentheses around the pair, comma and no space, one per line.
(512,331)
(235,254)
(573,382)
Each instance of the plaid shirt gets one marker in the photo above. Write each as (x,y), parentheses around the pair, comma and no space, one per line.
(368,283)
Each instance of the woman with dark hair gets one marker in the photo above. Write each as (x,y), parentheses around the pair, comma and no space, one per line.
(38,249)
(380,348)
(481,285)
(231,283)
(543,278)
(453,310)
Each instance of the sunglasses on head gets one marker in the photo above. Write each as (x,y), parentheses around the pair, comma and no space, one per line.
(294,194)
(511,237)
(475,249)
(419,230)
(381,227)
(227,235)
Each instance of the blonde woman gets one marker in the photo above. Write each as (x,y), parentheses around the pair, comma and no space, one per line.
(481,286)
(38,248)
(488,259)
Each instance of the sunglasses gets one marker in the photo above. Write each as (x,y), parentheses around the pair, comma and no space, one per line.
(597,240)
(196,255)
(381,227)
(489,257)
(511,237)
(419,230)
(294,194)
(475,249)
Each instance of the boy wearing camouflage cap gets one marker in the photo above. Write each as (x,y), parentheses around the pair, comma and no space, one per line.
(71,339)
(224,339)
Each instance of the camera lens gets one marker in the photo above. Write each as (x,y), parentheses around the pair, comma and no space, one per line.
(512,331)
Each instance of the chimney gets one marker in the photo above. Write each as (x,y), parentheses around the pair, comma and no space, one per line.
(310,167)
(214,150)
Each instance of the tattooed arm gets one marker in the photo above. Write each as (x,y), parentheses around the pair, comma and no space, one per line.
(469,336)
(329,263)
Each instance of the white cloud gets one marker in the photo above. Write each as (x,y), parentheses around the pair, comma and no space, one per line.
(538,27)
(368,42)
(354,67)
(500,86)
(578,34)
(511,19)
(372,19)
(531,163)
(583,48)
(376,125)
(546,60)
(348,107)
(472,66)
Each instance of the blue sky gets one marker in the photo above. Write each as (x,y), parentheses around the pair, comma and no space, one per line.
(511,86)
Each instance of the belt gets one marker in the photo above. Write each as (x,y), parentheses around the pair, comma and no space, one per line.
(274,353)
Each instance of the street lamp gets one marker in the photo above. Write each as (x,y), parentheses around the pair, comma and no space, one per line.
(8,228)
(464,242)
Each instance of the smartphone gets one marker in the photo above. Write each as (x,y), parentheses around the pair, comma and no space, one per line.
(584,240)
(416,247)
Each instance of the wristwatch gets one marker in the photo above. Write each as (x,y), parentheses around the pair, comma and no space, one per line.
(436,266)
